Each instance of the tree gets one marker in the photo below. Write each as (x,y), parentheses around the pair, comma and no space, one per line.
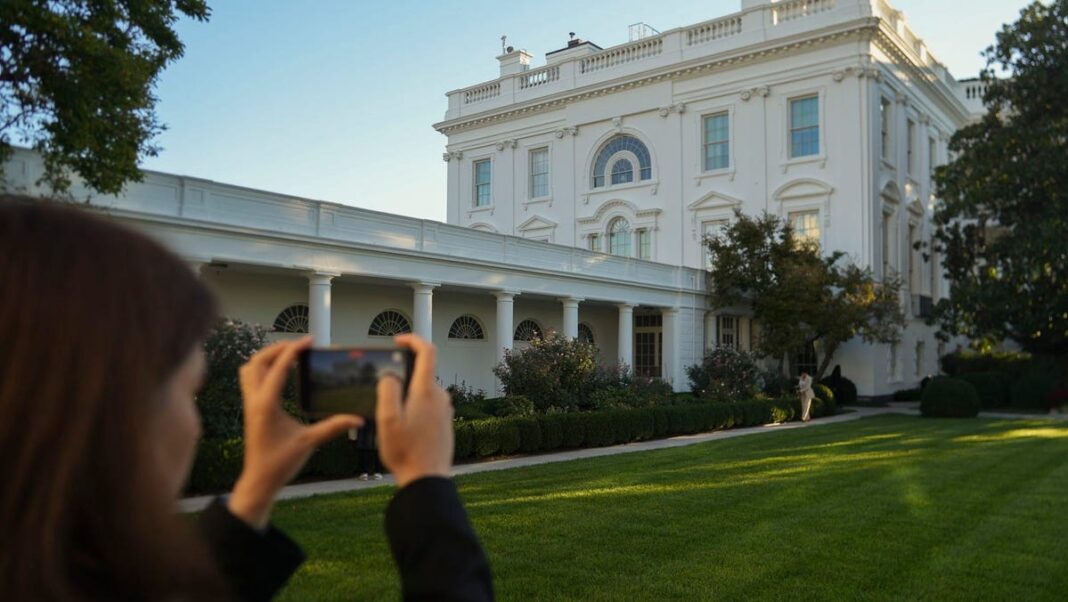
(77,79)
(1002,225)
(798,296)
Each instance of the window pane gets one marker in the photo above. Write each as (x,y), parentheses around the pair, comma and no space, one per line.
(622,172)
(805,142)
(482,183)
(619,238)
(645,244)
(716,141)
(804,127)
(539,173)
(806,225)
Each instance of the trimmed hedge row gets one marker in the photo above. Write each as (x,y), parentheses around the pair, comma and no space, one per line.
(547,432)
(218,462)
(946,397)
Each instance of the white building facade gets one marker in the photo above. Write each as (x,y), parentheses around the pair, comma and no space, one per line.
(829,113)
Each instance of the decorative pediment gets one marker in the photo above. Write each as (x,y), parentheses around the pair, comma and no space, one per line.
(483,227)
(715,201)
(803,188)
(537,223)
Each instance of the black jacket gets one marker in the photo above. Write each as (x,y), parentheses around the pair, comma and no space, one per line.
(437,553)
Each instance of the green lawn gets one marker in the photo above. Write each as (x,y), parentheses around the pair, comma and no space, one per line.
(892,507)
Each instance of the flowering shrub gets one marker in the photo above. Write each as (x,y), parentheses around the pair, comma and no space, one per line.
(462,394)
(554,370)
(725,374)
(230,344)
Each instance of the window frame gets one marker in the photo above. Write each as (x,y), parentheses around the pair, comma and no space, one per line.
(910,146)
(531,174)
(807,211)
(488,161)
(625,236)
(791,129)
(886,129)
(705,143)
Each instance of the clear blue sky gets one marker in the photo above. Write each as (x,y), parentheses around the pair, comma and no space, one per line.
(333,100)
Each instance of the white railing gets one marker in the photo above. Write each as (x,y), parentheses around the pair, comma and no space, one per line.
(799,9)
(713,30)
(490,90)
(974,91)
(624,54)
(538,77)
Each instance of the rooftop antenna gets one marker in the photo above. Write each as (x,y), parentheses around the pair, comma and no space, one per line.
(503,40)
(572,34)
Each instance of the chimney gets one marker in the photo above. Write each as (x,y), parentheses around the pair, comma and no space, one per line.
(575,47)
(514,61)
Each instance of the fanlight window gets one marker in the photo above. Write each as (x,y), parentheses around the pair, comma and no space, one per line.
(466,327)
(622,172)
(613,146)
(292,319)
(389,323)
(528,330)
(619,237)
(585,334)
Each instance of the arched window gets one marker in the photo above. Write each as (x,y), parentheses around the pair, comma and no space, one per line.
(622,172)
(389,323)
(292,319)
(585,334)
(466,327)
(617,144)
(528,330)
(619,237)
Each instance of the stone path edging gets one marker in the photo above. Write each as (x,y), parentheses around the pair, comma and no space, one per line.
(193,504)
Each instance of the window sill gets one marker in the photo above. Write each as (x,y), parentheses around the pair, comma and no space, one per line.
(654,184)
(535,201)
(820,158)
(473,210)
(715,173)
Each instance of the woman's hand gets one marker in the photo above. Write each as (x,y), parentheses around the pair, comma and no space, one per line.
(276,445)
(415,438)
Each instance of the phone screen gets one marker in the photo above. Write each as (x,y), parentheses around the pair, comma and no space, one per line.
(344,380)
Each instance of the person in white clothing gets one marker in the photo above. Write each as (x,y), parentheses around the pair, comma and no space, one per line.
(804,387)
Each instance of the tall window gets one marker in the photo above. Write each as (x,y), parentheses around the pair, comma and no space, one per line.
(539,173)
(727,331)
(717,141)
(622,172)
(935,274)
(482,183)
(894,371)
(888,263)
(932,158)
(594,242)
(805,126)
(912,259)
(619,237)
(806,225)
(645,244)
(884,127)
(711,229)
(911,142)
(920,359)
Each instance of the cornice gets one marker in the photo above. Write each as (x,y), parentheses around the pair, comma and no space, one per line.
(861,27)
(921,75)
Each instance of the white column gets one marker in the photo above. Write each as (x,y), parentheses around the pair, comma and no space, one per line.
(423,308)
(626,335)
(505,332)
(319,307)
(670,351)
(710,331)
(571,320)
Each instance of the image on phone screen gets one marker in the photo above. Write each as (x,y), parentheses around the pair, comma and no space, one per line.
(344,381)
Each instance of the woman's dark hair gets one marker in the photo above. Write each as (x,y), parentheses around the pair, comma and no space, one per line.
(94,319)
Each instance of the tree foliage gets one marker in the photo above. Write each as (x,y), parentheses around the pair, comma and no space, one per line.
(1002,225)
(76,83)
(798,296)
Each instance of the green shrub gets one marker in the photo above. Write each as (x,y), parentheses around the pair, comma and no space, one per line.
(229,345)
(461,394)
(661,422)
(781,410)
(530,439)
(1009,363)
(574,429)
(725,374)
(509,436)
(470,411)
(644,424)
(599,428)
(463,441)
(552,431)
(907,394)
(554,370)
(216,465)
(826,395)
(515,405)
(1032,390)
(334,459)
(992,387)
(487,437)
(845,390)
(949,398)
(775,384)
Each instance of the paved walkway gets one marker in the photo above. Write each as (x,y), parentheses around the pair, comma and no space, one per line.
(193,504)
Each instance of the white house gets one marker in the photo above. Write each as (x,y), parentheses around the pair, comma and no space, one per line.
(579,192)
(830,113)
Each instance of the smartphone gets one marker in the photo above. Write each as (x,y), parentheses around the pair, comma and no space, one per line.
(343,380)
